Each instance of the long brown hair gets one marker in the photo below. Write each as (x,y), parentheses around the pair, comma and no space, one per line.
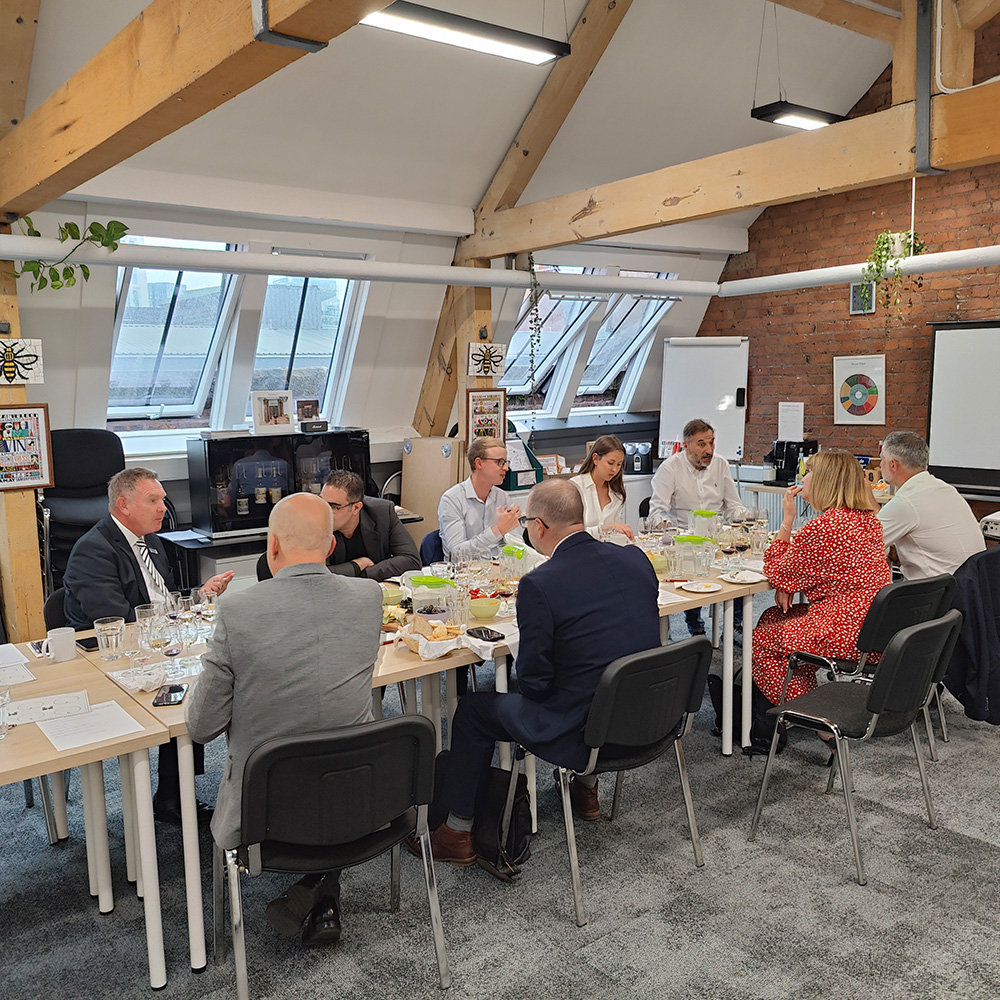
(837,481)
(604,445)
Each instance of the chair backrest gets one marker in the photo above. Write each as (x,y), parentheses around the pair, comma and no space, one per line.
(83,460)
(431,549)
(52,610)
(899,605)
(644,507)
(914,659)
(329,788)
(641,698)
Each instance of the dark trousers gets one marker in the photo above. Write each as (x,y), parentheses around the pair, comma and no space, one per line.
(697,627)
(168,784)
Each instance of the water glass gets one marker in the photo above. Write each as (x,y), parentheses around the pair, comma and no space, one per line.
(4,702)
(458,606)
(109,637)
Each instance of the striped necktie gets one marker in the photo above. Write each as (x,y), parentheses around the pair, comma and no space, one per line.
(154,573)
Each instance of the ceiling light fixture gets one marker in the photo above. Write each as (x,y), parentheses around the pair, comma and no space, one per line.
(467,33)
(794,115)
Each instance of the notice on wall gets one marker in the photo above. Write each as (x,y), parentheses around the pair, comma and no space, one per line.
(859,389)
(791,421)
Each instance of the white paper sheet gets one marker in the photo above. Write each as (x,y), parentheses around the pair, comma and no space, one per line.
(106,721)
(54,706)
(15,673)
(9,653)
(665,597)
(791,421)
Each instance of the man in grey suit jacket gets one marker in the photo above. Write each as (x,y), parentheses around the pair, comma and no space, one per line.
(290,655)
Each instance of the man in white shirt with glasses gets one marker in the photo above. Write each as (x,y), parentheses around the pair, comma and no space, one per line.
(475,514)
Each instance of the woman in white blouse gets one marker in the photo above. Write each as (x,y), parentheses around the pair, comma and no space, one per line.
(602,488)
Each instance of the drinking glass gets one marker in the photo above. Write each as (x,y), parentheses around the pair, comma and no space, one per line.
(157,633)
(727,545)
(172,604)
(458,606)
(741,542)
(4,702)
(206,602)
(109,637)
(132,645)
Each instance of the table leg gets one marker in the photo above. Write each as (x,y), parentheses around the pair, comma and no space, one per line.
(59,804)
(192,859)
(96,819)
(49,812)
(530,777)
(450,697)
(128,817)
(500,685)
(715,626)
(727,679)
(664,629)
(410,697)
(377,703)
(747,668)
(430,696)
(88,823)
(150,874)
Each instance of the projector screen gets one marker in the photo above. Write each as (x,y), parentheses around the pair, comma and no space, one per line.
(964,414)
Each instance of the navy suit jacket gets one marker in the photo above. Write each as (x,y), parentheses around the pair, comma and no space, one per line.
(103,577)
(591,603)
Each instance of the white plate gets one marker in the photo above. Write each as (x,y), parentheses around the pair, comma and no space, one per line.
(743,576)
(701,587)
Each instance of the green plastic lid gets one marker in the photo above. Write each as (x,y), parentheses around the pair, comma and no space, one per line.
(431,581)
(517,551)
(705,513)
(691,540)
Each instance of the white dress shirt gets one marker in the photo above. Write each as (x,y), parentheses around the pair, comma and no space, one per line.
(678,487)
(466,522)
(595,516)
(156,588)
(932,527)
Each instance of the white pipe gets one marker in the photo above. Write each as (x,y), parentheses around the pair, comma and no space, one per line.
(20,248)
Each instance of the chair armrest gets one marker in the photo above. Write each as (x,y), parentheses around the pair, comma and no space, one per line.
(799,656)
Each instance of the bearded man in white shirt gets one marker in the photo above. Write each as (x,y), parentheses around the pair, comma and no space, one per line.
(696,479)
(932,527)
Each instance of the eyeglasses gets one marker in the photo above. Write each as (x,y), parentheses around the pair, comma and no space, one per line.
(500,461)
(524,519)
(341,506)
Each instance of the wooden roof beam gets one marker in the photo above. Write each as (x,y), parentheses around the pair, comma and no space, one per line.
(18,21)
(844,14)
(974,14)
(173,63)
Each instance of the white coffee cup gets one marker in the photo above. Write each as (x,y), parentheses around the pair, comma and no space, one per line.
(60,644)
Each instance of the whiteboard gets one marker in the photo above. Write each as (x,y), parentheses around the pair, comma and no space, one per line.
(964,412)
(705,377)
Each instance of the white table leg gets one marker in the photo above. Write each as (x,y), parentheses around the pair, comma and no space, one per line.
(715,626)
(192,859)
(96,820)
(86,794)
(500,685)
(410,691)
(59,804)
(727,679)
(451,698)
(664,629)
(530,777)
(150,873)
(45,794)
(747,668)
(430,696)
(128,817)
(377,703)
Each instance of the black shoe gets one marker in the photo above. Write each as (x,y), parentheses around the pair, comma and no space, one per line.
(695,632)
(169,811)
(323,925)
(288,912)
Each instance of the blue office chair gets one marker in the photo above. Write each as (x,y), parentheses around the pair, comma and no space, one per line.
(431,549)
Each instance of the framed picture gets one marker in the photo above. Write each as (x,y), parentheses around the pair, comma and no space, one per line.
(307,409)
(272,412)
(487,410)
(487,360)
(859,389)
(25,447)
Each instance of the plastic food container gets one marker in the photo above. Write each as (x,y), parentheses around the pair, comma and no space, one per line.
(694,555)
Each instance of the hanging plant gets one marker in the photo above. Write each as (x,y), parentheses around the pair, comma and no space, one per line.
(535,326)
(59,274)
(882,270)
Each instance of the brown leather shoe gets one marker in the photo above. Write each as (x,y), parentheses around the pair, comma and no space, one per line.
(454,846)
(584,801)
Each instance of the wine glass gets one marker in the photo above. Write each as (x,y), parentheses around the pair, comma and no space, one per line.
(171,605)
(726,541)
(132,645)
(741,542)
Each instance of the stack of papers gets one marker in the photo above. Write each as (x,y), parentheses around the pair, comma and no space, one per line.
(69,720)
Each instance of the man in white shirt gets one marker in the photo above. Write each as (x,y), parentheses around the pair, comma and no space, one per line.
(476,514)
(932,527)
(696,479)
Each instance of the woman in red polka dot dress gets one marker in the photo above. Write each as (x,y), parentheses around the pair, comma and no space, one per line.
(837,560)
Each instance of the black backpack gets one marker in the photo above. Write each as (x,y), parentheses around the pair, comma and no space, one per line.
(501,861)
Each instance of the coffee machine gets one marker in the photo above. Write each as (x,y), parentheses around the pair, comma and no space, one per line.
(784,456)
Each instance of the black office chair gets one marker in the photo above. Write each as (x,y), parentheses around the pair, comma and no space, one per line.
(431,549)
(52,611)
(83,460)
(326,801)
(644,507)
(896,606)
(915,658)
(644,703)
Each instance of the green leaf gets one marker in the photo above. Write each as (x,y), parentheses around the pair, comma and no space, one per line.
(34,266)
(73,229)
(53,275)
(85,271)
(31,226)
(42,282)
(96,232)
(70,280)
(67,272)
(63,234)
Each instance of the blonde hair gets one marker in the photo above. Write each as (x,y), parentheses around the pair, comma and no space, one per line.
(837,481)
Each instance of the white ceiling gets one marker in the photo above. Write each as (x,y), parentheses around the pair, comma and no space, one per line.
(382,116)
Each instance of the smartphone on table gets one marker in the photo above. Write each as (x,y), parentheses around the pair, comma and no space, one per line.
(170,694)
(486,634)
(89,643)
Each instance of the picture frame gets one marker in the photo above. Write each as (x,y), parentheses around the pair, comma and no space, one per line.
(273,412)
(25,447)
(486,411)
(307,409)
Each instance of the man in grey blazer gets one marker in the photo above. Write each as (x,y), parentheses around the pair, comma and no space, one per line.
(290,655)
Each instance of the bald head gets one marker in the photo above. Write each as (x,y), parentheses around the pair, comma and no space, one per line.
(299,530)
(557,507)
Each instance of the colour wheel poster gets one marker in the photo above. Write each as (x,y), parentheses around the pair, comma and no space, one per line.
(859,389)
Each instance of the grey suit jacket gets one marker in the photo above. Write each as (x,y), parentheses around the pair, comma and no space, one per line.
(290,655)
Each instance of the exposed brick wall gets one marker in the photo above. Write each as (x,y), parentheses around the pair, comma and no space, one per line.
(795,335)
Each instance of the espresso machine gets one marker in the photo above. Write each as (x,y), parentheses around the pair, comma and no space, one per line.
(784,456)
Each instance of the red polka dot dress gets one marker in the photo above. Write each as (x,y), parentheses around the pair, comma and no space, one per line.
(837,560)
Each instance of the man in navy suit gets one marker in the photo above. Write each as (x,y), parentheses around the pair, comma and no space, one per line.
(118,565)
(591,603)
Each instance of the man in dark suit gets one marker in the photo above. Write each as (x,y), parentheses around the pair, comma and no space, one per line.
(591,603)
(371,540)
(118,565)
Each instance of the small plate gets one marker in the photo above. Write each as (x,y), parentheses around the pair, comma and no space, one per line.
(701,587)
(743,576)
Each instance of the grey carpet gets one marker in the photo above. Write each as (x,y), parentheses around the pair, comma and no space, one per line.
(778,918)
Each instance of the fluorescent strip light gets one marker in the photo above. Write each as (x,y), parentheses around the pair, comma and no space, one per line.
(794,115)
(467,33)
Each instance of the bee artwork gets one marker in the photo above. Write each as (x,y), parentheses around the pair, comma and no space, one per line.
(20,361)
(487,360)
